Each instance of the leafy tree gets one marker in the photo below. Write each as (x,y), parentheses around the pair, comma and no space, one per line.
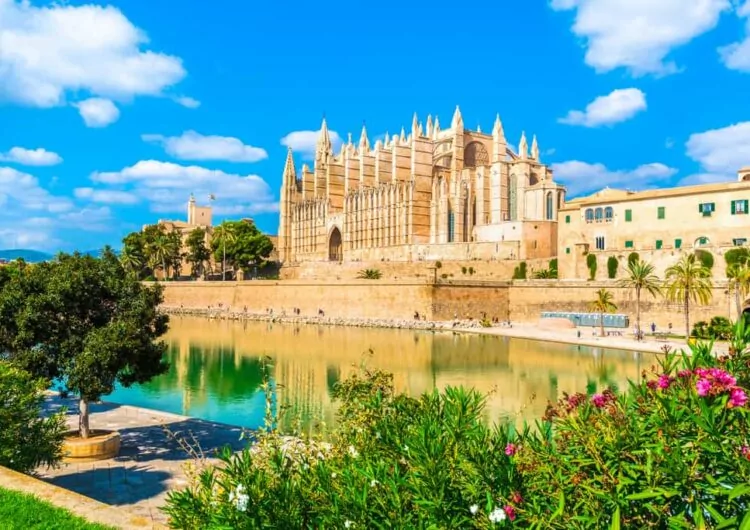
(85,322)
(240,243)
(738,274)
(163,249)
(633,256)
(519,272)
(612,264)
(198,253)
(132,255)
(27,440)
(737,256)
(640,276)
(705,257)
(603,304)
(592,265)
(687,281)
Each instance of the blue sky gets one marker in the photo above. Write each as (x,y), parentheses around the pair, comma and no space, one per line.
(111,114)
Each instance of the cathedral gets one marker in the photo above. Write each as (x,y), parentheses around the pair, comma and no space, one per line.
(434,194)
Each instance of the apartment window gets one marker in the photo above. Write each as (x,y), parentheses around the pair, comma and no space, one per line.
(608,214)
(567,250)
(660,212)
(567,219)
(628,244)
(589,215)
(739,207)
(739,242)
(677,243)
(600,243)
(707,208)
(628,216)
(658,244)
(598,215)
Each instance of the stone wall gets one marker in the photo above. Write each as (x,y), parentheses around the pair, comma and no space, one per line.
(520,301)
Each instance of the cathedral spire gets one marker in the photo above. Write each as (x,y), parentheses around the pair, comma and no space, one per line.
(458,120)
(289,173)
(534,149)
(324,138)
(402,139)
(387,140)
(429,126)
(364,142)
(436,128)
(497,130)
(414,126)
(523,147)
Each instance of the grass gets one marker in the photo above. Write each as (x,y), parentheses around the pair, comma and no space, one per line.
(19,511)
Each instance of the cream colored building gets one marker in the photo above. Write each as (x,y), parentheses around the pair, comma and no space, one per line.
(659,225)
(436,194)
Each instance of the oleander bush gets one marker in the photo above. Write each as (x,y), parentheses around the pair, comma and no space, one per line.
(673,451)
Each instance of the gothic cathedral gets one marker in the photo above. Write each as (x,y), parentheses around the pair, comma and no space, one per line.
(436,194)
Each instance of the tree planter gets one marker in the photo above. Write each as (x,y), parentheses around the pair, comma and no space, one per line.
(100,445)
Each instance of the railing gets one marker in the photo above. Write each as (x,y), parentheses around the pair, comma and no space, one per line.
(591,319)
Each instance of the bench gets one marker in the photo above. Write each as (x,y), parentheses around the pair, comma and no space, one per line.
(661,336)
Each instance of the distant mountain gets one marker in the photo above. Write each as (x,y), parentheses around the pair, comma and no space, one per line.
(28,255)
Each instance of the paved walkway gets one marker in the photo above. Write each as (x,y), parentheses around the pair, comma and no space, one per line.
(150,463)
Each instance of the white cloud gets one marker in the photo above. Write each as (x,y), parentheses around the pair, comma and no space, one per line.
(91,219)
(736,56)
(188,102)
(106,196)
(303,142)
(22,192)
(639,34)
(55,50)
(194,146)
(98,112)
(582,178)
(167,186)
(721,151)
(617,106)
(31,157)
(705,178)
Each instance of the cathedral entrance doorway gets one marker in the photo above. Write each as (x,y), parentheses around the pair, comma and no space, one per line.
(335,248)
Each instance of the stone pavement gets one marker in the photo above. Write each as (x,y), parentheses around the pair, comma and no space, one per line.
(151,462)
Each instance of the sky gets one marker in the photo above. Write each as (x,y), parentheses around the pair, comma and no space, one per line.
(112,114)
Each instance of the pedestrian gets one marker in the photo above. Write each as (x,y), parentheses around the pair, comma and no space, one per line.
(653,328)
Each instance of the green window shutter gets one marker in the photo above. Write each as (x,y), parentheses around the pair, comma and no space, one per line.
(734,207)
(567,250)
(744,203)
(677,243)
(658,244)
(660,212)
(700,208)
(628,244)
(628,215)
(567,218)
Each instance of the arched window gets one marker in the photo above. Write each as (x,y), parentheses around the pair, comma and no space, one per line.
(549,206)
(589,215)
(598,214)
(559,199)
(608,214)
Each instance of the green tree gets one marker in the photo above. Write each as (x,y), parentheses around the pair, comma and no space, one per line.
(197,251)
(738,275)
(27,439)
(162,249)
(603,304)
(85,322)
(640,277)
(688,281)
(241,244)
(132,255)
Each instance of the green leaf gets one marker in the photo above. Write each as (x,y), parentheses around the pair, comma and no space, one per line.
(615,520)
(745,524)
(738,491)
(649,494)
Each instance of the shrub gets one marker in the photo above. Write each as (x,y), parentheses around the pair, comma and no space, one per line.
(553,265)
(519,273)
(705,257)
(700,330)
(633,257)
(485,323)
(444,276)
(672,452)
(471,271)
(545,274)
(737,256)
(26,439)
(369,274)
(463,270)
(438,264)
(591,264)
(612,264)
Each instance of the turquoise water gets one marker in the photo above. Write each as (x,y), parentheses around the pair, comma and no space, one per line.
(217,369)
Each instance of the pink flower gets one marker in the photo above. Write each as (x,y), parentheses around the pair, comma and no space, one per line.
(745,451)
(516,497)
(684,373)
(665,381)
(599,400)
(510,449)
(703,386)
(510,512)
(737,398)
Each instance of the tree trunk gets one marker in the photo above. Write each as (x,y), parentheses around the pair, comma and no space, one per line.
(164,268)
(638,312)
(737,300)
(83,419)
(687,317)
(224,262)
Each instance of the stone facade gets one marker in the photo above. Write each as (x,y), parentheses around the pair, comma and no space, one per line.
(434,194)
(657,224)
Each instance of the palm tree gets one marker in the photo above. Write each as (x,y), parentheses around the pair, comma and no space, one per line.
(603,304)
(160,253)
(225,234)
(688,280)
(132,261)
(738,275)
(640,276)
